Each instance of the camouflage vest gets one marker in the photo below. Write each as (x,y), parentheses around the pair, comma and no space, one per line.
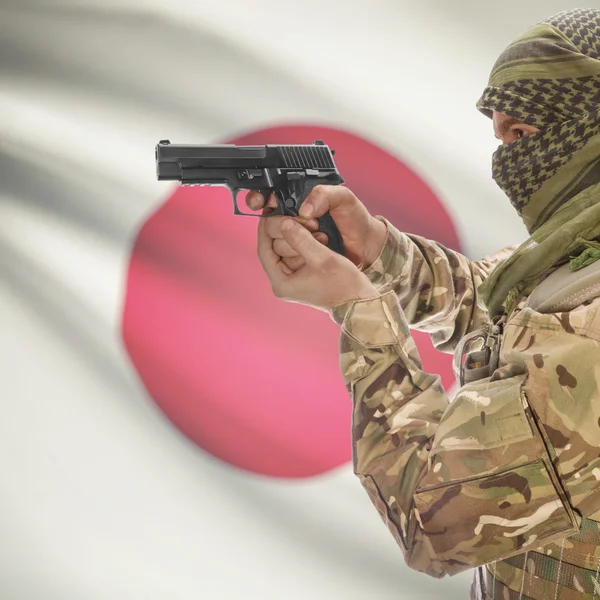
(570,569)
(557,571)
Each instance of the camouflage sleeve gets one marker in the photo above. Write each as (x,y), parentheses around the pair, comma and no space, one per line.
(458,484)
(436,286)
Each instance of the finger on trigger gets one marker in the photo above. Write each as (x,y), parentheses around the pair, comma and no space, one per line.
(271,204)
(254,200)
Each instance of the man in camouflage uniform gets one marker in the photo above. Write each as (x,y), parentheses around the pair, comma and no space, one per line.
(505,477)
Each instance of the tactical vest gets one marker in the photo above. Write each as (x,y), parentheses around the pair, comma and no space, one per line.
(567,570)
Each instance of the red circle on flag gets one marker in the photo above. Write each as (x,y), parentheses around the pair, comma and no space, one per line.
(248,378)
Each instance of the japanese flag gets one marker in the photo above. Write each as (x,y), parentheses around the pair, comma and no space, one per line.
(169,429)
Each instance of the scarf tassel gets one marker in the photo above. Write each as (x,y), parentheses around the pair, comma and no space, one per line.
(589,256)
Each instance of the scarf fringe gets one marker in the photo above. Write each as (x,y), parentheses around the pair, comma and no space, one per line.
(587,257)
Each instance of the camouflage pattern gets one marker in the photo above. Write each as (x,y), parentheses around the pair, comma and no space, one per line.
(436,287)
(536,572)
(506,473)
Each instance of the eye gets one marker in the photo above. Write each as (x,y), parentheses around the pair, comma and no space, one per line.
(519,133)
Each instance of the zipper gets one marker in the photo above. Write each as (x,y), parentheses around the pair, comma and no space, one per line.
(533,422)
(475,478)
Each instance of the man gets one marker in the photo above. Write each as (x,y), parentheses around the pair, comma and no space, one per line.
(506,475)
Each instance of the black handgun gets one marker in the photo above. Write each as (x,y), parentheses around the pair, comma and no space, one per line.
(289,172)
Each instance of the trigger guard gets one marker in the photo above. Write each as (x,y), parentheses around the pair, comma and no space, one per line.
(265,192)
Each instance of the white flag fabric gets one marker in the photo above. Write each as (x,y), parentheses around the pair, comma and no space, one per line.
(171,430)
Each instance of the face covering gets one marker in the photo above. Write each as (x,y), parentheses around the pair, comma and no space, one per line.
(549,77)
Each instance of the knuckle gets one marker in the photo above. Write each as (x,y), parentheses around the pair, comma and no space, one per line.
(346,194)
(294,262)
(319,192)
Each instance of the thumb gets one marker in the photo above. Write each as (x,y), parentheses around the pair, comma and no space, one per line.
(317,203)
(327,198)
(302,241)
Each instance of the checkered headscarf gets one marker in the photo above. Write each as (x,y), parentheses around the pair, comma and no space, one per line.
(549,77)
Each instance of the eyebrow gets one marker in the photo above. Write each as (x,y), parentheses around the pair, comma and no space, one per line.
(505,126)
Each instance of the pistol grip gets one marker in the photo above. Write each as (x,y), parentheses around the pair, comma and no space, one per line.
(327,225)
(290,203)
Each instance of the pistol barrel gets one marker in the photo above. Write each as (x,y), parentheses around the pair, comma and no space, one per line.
(173,159)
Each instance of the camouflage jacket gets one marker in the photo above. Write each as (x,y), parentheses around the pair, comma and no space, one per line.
(513,461)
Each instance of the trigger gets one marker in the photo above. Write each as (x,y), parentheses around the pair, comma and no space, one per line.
(278,208)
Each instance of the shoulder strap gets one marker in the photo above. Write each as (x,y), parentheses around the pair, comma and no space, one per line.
(564,289)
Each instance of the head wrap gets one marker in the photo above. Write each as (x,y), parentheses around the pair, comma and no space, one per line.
(549,77)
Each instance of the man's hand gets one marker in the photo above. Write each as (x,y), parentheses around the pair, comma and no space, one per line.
(325,279)
(363,235)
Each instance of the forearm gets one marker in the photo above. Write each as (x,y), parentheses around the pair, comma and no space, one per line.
(436,286)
